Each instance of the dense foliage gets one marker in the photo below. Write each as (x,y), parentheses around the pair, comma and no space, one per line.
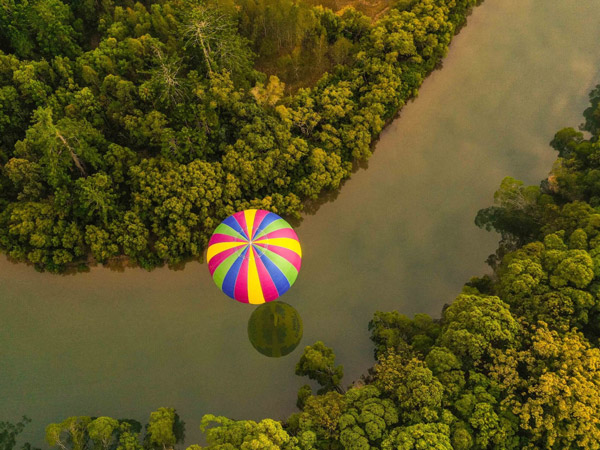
(133,128)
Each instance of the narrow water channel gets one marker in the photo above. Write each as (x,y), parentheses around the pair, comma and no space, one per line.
(399,235)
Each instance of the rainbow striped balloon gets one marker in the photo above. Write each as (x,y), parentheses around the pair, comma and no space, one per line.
(254,256)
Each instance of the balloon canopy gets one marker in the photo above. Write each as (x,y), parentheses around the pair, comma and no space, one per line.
(275,329)
(254,256)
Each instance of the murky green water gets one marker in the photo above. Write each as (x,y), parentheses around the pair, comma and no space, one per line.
(399,236)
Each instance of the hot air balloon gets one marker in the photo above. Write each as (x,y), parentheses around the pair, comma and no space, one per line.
(275,329)
(254,256)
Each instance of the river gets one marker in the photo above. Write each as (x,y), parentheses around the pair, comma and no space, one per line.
(399,235)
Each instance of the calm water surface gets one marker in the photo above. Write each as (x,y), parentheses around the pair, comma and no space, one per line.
(399,236)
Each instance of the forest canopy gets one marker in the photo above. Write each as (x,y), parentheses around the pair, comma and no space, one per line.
(133,128)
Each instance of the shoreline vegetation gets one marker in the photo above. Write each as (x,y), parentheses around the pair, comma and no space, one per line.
(128,130)
(513,363)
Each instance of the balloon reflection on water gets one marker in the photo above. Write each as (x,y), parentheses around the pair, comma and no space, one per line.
(275,329)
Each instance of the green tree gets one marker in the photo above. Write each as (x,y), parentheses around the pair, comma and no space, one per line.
(164,429)
(557,398)
(36,27)
(211,33)
(367,418)
(245,434)
(473,326)
(101,431)
(65,150)
(69,434)
(318,363)
(420,436)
